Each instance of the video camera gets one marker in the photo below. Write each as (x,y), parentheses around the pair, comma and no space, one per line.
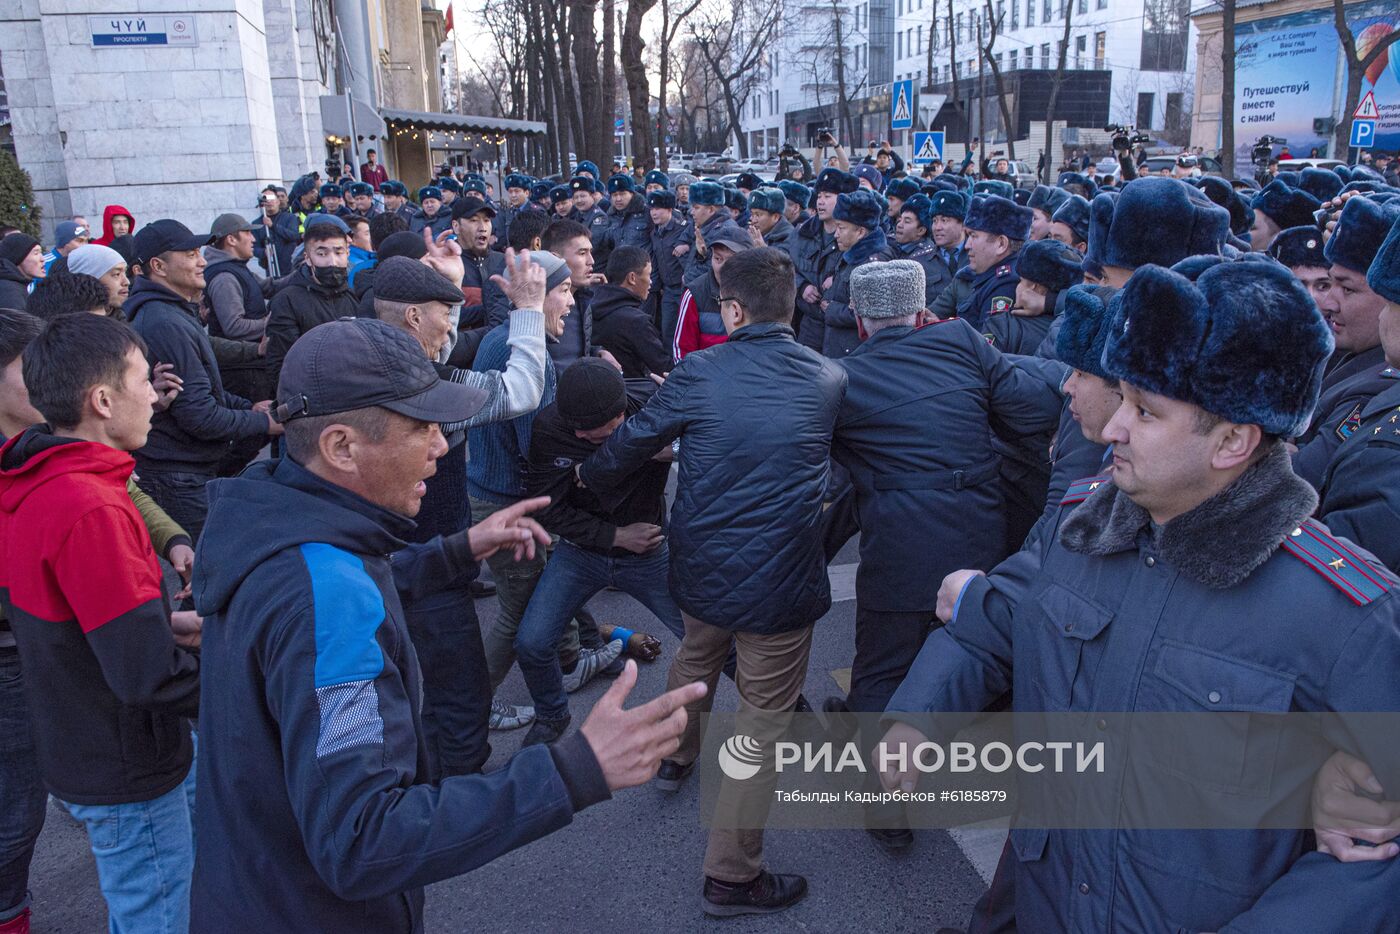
(1125,137)
(825,137)
(789,151)
(1264,149)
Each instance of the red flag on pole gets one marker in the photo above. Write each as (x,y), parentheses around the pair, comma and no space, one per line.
(449,17)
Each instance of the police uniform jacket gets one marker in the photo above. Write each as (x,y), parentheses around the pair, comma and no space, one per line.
(992,291)
(1242,604)
(1361,487)
(840,336)
(937,275)
(815,254)
(1346,389)
(667,269)
(1016,333)
(781,236)
(929,497)
(597,222)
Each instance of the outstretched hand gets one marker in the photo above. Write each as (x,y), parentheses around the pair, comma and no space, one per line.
(444,255)
(510,528)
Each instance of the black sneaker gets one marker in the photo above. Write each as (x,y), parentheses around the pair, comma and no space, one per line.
(802,706)
(765,894)
(544,731)
(890,840)
(840,721)
(671,776)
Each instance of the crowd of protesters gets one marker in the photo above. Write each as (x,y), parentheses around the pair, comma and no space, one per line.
(1118,448)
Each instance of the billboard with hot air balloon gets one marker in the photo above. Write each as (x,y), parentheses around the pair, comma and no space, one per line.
(1289,72)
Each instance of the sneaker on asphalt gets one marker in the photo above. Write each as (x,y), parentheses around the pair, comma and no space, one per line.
(545,730)
(510,716)
(671,776)
(765,894)
(892,840)
(590,662)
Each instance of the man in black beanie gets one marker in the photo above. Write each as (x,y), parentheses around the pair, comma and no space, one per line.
(616,542)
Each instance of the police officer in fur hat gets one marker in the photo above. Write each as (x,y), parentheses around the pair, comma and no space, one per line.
(672,239)
(586,210)
(913,239)
(816,254)
(862,240)
(996,229)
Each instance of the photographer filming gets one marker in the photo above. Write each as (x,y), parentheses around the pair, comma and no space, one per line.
(1125,140)
(826,139)
(884,158)
(998,168)
(1262,155)
(800,172)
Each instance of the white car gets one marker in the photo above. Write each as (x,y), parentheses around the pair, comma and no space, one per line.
(1298,165)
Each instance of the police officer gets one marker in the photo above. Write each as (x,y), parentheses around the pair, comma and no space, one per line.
(433,215)
(1360,490)
(630,224)
(672,239)
(333,200)
(816,254)
(656,180)
(912,240)
(737,202)
(361,197)
(896,193)
(861,240)
(797,196)
(682,189)
(997,227)
(1045,269)
(709,214)
(539,197)
(517,199)
(917,492)
(1044,202)
(396,200)
(451,190)
(767,220)
(1354,373)
(1070,223)
(586,210)
(1136,605)
(949,235)
(561,202)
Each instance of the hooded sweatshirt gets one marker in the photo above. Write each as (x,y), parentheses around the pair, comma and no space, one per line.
(622,328)
(313,812)
(109,212)
(83,593)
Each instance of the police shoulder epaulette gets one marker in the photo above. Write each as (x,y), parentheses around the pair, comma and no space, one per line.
(1335,560)
(1081,490)
(1390,372)
(1004,269)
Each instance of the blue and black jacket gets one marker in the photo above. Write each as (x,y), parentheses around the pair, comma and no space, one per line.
(314,811)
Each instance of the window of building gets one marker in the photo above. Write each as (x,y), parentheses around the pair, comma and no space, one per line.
(1015,14)
(1083,6)
(919,40)
(1030,12)
(1144,110)
(1045,13)
(1164,35)
(1172,118)
(1045,56)
(958,28)
(1101,4)
(1001,10)
(1081,45)
(1030,56)
(1011,60)
(899,45)
(1100,48)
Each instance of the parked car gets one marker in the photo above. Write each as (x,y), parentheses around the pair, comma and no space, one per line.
(718,165)
(1298,165)
(1155,164)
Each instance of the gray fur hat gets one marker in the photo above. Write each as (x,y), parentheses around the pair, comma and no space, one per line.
(887,290)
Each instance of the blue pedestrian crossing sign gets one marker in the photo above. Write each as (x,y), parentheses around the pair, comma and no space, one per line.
(902,105)
(928,148)
(1363,134)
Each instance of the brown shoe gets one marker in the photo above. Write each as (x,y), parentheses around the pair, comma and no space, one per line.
(765,894)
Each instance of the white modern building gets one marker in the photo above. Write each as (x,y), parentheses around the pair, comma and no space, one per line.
(1144,50)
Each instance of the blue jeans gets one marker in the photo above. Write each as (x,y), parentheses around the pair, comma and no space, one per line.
(145,854)
(22,794)
(573,576)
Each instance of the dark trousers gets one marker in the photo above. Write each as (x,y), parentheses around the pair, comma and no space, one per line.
(22,794)
(254,384)
(181,494)
(886,645)
(456,685)
(995,911)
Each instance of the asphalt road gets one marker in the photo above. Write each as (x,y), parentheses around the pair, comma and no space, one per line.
(633,863)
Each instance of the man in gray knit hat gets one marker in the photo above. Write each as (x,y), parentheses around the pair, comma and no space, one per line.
(919,495)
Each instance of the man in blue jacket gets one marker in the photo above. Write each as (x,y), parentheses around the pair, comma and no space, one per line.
(747,564)
(315,809)
(1191,580)
(189,439)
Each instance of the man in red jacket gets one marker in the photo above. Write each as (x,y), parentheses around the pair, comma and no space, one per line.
(372,172)
(83,593)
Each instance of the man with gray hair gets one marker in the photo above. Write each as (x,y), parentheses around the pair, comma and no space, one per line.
(917,494)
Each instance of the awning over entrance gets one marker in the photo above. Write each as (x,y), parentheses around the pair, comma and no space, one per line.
(336,118)
(462,123)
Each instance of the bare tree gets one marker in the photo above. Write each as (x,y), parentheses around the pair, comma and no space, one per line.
(638,91)
(1357,66)
(734,46)
(825,36)
(595,140)
(953,68)
(1055,83)
(994,21)
(672,19)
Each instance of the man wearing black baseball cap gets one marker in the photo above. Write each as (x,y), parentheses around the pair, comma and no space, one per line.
(191,437)
(316,679)
(484,305)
